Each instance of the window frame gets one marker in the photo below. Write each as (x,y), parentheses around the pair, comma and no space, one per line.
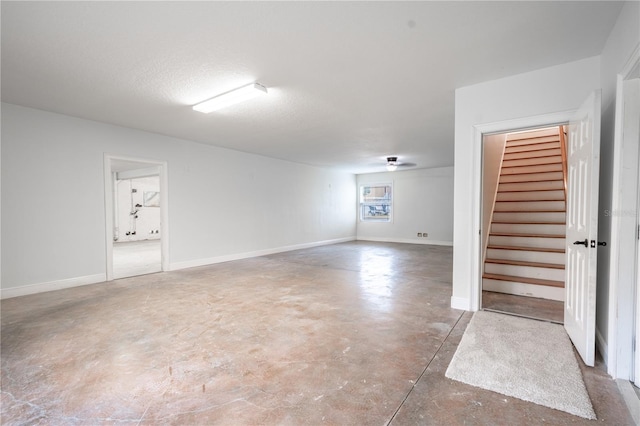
(362,203)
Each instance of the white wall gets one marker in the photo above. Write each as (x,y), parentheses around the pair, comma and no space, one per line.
(245,203)
(624,37)
(492,150)
(549,90)
(422,202)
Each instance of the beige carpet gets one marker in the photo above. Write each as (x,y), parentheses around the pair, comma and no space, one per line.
(523,358)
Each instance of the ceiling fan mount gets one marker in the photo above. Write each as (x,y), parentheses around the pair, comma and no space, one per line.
(393,163)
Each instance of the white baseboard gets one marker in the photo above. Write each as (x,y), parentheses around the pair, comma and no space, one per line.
(7,293)
(246,255)
(461,303)
(523,289)
(407,241)
(601,344)
(630,398)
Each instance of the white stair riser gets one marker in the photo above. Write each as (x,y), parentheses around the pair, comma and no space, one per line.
(549,131)
(539,242)
(526,206)
(528,228)
(536,147)
(532,186)
(533,177)
(526,256)
(532,140)
(529,216)
(523,289)
(525,271)
(532,169)
(531,195)
(539,154)
(532,161)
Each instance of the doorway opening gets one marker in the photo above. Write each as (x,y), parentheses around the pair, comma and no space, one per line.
(523,218)
(624,274)
(623,354)
(136,225)
(583,159)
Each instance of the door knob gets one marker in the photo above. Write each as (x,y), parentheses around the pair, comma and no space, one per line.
(582,243)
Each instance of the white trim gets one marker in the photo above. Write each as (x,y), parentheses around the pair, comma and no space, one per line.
(139,173)
(7,293)
(109,222)
(461,303)
(109,213)
(25,290)
(239,256)
(486,232)
(612,332)
(478,131)
(407,241)
(630,398)
(391,215)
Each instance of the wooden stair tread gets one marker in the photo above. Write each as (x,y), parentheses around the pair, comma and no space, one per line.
(533,141)
(530,211)
(524,235)
(540,173)
(531,190)
(530,143)
(525,263)
(532,156)
(531,181)
(527,280)
(531,148)
(511,222)
(520,248)
(531,200)
(531,165)
(544,179)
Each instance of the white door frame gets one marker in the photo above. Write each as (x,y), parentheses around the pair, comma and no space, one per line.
(620,332)
(537,121)
(109,206)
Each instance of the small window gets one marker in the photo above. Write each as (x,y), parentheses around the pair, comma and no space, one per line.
(375,202)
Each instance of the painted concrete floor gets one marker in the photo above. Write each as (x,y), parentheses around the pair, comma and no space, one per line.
(350,334)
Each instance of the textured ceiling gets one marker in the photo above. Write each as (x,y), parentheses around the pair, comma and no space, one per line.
(349,82)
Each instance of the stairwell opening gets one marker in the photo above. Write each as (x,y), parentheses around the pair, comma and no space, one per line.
(523,222)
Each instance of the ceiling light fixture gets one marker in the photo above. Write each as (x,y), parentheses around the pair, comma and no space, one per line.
(231,97)
(392,163)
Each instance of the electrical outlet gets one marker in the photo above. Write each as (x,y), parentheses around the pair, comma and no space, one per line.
(425,235)
(419,234)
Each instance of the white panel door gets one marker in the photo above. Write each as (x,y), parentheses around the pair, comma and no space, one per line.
(583,164)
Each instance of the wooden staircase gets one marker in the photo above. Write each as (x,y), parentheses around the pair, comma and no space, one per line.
(526,248)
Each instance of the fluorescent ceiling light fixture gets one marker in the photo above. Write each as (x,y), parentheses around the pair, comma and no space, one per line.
(231,97)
